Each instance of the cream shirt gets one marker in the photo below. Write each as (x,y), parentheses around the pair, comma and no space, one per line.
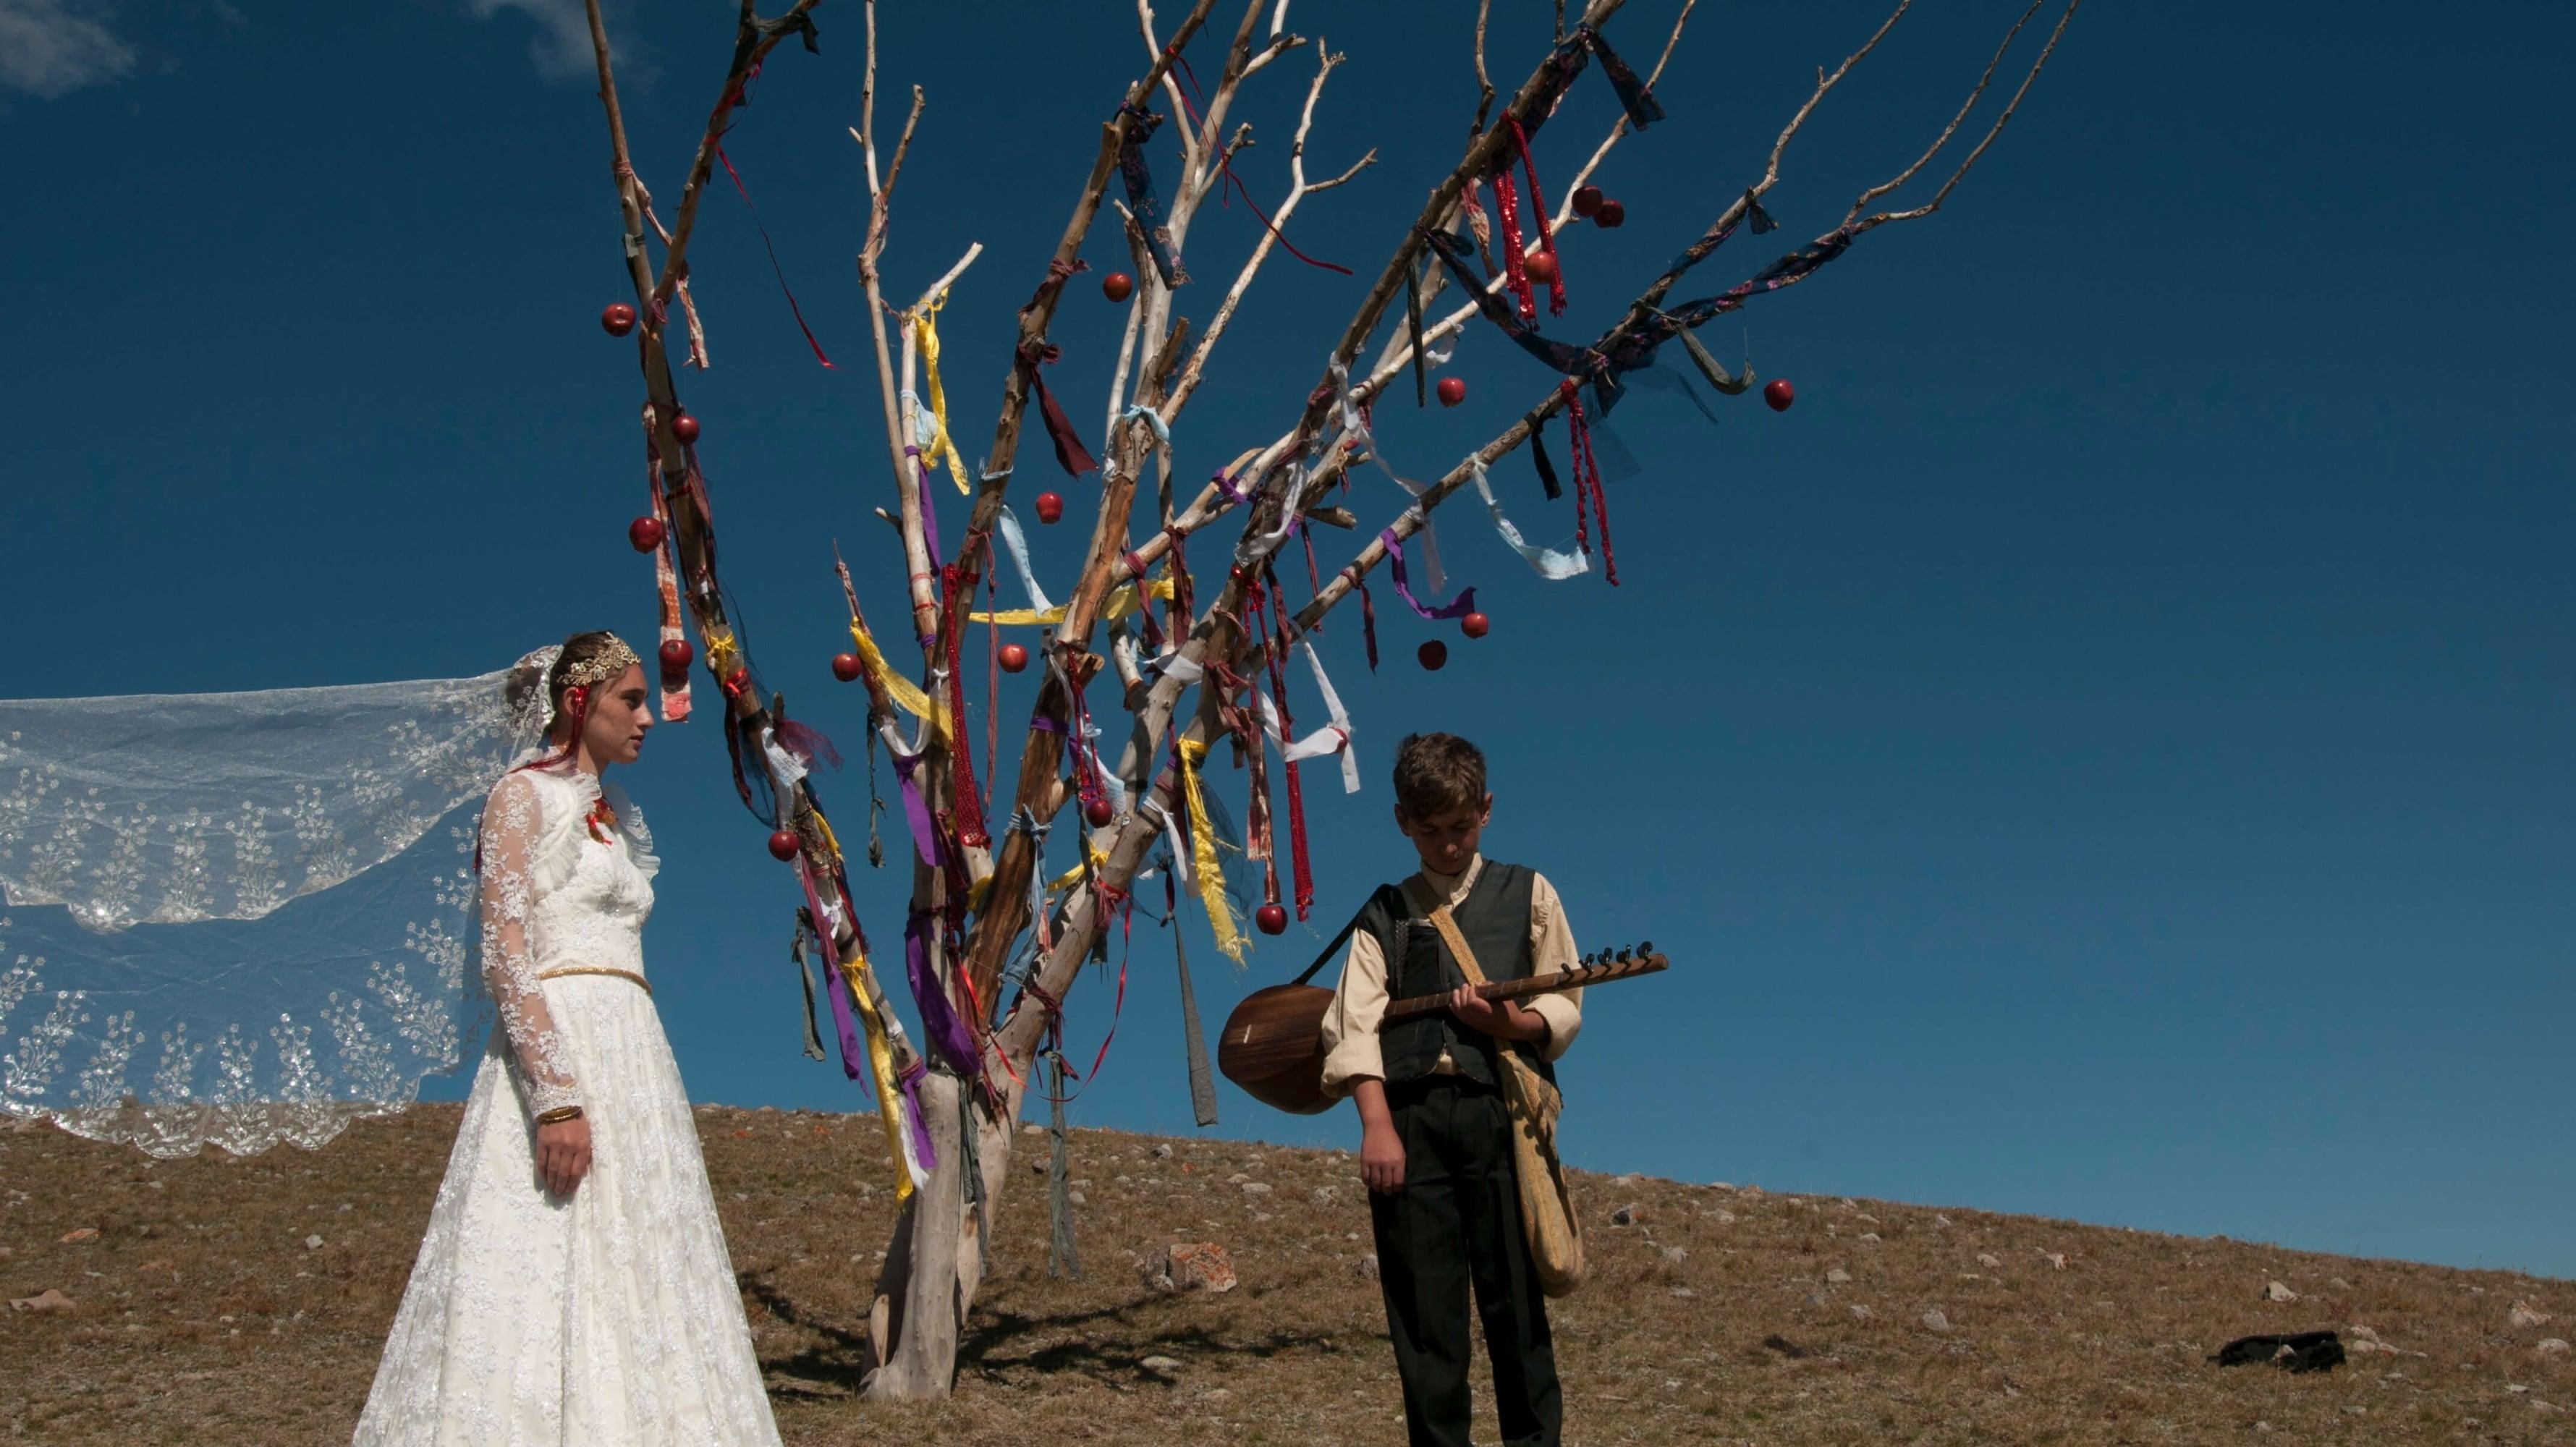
(1360,1000)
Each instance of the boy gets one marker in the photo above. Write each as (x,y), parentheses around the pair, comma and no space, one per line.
(1435,1145)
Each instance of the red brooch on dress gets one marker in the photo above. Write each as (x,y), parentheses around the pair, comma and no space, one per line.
(600,820)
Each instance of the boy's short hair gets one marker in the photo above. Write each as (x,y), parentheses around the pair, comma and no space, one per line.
(1435,773)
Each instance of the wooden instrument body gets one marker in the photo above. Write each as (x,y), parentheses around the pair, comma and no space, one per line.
(1273,1047)
(1273,1044)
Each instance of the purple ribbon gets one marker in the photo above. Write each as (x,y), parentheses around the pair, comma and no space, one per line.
(948,1034)
(929,513)
(853,1054)
(1458,607)
(909,1082)
(916,812)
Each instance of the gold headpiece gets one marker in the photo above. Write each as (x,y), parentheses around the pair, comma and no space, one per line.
(610,662)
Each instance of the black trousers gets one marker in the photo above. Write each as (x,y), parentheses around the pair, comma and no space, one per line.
(1457,1222)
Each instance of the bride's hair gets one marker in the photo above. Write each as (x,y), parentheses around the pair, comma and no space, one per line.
(568,715)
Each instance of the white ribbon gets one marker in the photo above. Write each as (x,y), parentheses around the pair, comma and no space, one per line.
(1016,543)
(1551,565)
(1356,428)
(784,766)
(1332,738)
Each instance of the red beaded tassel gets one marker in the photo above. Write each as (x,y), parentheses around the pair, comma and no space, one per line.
(1301,870)
(1546,228)
(969,813)
(1587,479)
(1507,210)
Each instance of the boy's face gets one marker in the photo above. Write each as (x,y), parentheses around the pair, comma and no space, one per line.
(1447,840)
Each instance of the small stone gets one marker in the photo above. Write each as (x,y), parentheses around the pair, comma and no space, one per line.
(1936,1319)
(2275,1291)
(1676,1254)
(1863,1313)
(1033,1128)
(1623,1181)
(1076,1198)
(46,1300)
(1160,1366)
(312,1243)
(1837,1276)
(1237,1179)
(2546,1408)
(85,1233)
(1684,1291)
(1869,1236)
(2523,1313)
(1721,1185)
(2056,1259)
(1163,1152)
(1721,1216)
(1368,1266)
(1940,1220)
(1256,1188)
(1628,1215)
(1326,1195)
(2551,1346)
(1989,1260)
(2356,1409)
(2338,1283)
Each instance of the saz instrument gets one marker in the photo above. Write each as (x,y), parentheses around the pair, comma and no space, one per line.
(1273,1045)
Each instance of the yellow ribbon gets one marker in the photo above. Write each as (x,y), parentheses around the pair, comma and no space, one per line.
(1203,854)
(854,971)
(925,336)
(906,694)
(1120,602)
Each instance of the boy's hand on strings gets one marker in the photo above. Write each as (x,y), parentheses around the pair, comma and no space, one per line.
(1502,1019)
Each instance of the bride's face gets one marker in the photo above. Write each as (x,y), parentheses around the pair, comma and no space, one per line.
(620,715)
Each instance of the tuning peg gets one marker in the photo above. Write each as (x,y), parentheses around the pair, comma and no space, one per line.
(1645,948)
(1591,960)
(1623,955)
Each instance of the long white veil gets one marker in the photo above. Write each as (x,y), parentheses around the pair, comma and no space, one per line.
(240,917)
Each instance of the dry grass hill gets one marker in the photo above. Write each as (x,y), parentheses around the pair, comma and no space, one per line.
(244,1302)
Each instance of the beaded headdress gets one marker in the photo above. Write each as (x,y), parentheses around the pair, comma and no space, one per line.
(535,717)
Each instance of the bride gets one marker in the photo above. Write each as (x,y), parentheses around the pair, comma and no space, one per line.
(573,1286)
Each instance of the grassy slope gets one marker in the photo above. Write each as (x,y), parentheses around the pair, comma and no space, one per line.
(202,1315)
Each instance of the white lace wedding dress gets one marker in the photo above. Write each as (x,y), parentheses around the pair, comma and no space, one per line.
(611,1316)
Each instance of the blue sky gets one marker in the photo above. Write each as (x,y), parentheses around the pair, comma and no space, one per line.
(2102,754)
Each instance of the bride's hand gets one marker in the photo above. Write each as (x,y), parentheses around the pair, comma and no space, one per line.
(563,1154)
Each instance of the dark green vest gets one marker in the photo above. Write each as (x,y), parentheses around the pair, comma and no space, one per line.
(1495,920)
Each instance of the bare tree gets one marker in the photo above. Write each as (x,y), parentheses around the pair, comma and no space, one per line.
(977,898)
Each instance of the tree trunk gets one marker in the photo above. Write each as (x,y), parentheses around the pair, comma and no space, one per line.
(935,1263)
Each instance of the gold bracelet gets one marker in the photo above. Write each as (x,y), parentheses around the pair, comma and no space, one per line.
(559,1114)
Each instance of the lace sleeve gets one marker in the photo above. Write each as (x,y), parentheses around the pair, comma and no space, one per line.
(512,821)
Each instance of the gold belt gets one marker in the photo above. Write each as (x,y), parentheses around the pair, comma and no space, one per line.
(629,975)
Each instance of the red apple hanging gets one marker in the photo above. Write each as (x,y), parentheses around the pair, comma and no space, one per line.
(1587,199)
(1541,266)
(645,533)
(1609,214)
(618,320)
(1474,625)
(1098,811)
(677,655)
(1050,506)
(1433,654)
(685,428)
(1014,658)
(1271,919)
(784,844)
(1117,286)
(846,667)
(1453,390)
(1779,394)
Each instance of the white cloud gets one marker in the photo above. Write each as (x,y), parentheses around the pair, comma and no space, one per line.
(49,47)
(561,48)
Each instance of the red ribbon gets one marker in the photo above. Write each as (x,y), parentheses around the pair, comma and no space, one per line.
(793,309)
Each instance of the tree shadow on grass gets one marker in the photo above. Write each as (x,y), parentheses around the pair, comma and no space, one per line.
(1109,1341)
